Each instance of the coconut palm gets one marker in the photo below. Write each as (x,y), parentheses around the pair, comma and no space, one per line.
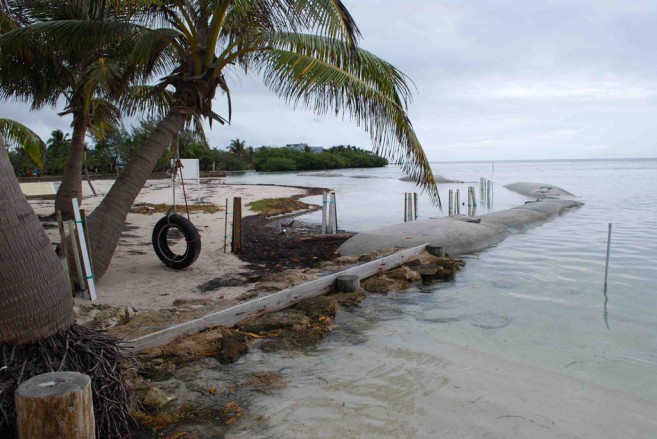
(20,135)
(42,65)
(237,147)
(29,269)
(306,51)
(37,331)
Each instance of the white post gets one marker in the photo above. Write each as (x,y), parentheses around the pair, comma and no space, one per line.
(335,212)
(409,207)
(88,273)
(488,193)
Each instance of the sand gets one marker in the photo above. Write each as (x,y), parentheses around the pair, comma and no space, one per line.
(137,278)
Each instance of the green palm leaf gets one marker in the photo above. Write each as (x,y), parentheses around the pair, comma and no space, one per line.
(19,135)
(325,75)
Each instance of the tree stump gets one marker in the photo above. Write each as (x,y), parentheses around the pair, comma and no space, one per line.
(55,405)
(347,283)
(436,250)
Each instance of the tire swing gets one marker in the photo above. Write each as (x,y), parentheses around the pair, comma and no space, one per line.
(161,244)
(185,227)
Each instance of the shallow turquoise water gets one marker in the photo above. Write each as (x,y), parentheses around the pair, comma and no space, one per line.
(536,298)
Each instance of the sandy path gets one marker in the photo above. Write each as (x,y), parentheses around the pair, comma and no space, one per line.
(136,276)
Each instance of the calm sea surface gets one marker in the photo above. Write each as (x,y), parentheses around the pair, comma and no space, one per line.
(535,298)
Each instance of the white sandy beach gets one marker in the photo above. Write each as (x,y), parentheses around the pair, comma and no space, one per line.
(137,277)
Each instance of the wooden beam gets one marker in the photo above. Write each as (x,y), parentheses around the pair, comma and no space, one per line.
(274,302)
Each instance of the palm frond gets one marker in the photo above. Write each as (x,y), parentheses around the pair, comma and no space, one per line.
(19,135)
(77,35)
(326,75)
(155,51)
(105,117)
(146,99)
(330,18)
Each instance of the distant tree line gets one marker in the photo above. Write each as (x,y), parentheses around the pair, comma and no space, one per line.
(119,145)
(338,157)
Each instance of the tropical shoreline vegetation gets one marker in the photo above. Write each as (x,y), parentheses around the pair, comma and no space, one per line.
(110,155)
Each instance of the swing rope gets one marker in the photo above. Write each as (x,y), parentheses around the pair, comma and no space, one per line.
(179,167)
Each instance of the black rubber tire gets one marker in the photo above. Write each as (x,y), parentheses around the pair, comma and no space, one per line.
(161,246)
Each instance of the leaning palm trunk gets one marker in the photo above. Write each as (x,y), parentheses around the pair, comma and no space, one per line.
(106,221)
(71,186)
(37,330)
(35,294)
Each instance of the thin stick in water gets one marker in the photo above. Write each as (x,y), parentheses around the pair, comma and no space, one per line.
(607,261)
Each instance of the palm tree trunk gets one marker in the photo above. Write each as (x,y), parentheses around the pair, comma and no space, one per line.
(71,186)
(35,294)
(106,221)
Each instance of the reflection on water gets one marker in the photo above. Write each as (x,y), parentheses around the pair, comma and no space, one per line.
(534,298)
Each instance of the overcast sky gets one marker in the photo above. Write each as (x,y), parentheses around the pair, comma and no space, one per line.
(496,80)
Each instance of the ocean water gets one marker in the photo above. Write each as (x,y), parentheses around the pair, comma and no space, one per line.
(536,298)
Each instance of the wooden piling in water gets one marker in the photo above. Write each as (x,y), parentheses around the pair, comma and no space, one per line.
(451,202)
(457,209)
(415,206)
(405,207)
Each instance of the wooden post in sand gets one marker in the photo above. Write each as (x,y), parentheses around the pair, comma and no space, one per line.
(226,226)
(63,245)
(55,405)
(237,225)
(324,211)
(76,254)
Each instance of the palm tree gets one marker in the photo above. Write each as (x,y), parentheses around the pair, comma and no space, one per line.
(57,152)
(237,147)
(34,303)
(37,331)
(22,136)
(199,44)
(42,63)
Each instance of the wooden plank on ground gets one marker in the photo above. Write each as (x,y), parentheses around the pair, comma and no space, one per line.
(274,302)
